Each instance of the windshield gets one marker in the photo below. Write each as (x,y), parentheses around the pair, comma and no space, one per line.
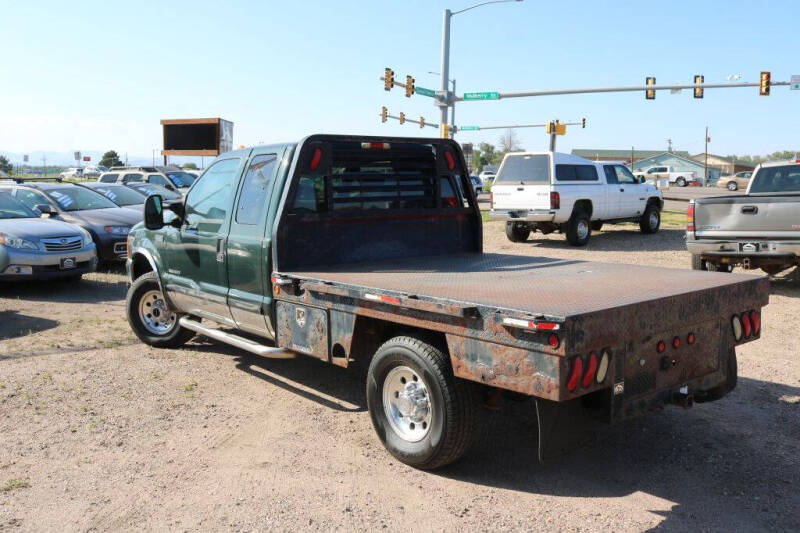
(524,169)
(180,179)
(11,208)
(148,189)
(79,199)
(121,195)
(777,179)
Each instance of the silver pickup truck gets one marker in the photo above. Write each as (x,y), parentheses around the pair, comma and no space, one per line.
(760,229)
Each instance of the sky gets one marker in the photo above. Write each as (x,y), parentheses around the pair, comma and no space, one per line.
(99,75)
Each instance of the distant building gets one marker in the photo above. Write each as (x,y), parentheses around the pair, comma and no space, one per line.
(726,165)
(680,163)
(595,154)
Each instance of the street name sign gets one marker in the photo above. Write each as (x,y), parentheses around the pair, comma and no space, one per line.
(795,83)
(469,128)
(482,96)
(424,92)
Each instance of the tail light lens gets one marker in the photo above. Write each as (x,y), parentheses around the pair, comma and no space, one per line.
(553,341)
(602,367)
(736,325)
(575,374)
(755,321)
(690,217)
(555,200)
(676,342)
(491,200)
(448,157)
(591,370)
(450,202)
(661,346)
(690,338)
(747,326)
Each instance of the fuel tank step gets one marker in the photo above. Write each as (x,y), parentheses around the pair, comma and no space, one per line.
(234,340)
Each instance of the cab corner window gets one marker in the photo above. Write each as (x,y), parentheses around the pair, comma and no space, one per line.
(255,190)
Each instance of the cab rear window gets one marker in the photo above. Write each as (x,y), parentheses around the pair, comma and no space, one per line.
(525,169)
(779,179)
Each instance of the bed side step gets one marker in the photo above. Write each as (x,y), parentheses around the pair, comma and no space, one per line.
(235,340)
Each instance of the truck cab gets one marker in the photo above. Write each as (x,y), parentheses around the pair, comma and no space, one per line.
(552,191)
(656,173)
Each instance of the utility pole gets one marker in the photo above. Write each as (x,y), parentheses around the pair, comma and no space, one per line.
(705,163)
(631,158)
(445,67)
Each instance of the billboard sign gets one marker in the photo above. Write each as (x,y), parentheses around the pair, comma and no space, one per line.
(197,136)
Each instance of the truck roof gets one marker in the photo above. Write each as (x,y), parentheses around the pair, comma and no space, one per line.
(558,157)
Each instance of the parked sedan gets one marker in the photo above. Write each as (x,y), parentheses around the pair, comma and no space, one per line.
(41,248)
(121,195)
(107,223)
(740,180)
(148,189)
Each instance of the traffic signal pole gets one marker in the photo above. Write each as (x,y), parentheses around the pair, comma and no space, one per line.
(444,71)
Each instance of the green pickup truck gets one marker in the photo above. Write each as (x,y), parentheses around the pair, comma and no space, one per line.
(368,252)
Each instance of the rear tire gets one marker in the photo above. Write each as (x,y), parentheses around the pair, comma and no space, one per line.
(698,263)
(516,232)
(650,221)
(732,186)
(680,182)
(719,267)
(432,422)
(579,228)
(149,317)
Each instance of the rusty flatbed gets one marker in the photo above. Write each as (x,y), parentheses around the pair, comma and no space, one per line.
(530,285)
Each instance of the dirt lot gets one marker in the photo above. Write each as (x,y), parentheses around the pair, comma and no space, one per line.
(99,432)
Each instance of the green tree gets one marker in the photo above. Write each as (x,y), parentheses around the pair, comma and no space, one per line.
(110,159)
(485,154)
(189,166)
(5,164)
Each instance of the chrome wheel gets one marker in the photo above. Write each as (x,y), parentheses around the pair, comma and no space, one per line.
(653,220)
(732,186)
(582,229)
(154,314)
(407,404)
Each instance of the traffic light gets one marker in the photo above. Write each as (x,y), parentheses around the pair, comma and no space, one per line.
(388,79)
(402,118)
(421,122)
(764,83)
(650,94)
(583,123)
(445,131)
(409,86)
(698,91)
(384,112)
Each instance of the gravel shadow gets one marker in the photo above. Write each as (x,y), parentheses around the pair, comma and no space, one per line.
(14,324)
(86,290)
(618,241)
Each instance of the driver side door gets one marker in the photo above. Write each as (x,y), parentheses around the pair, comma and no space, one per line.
(197,280)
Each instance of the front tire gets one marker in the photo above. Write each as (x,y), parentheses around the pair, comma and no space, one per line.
(516,232)
(650,221)
(150,318)
(423,414)
(579,228)
(732,186)
(680,182)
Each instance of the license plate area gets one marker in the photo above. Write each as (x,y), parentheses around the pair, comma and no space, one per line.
(648,370)
(67,263)
(753,247)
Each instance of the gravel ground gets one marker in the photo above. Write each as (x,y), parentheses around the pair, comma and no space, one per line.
(99,432)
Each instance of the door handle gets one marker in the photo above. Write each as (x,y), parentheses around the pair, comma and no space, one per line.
(749,210)
(221,249)
(621,189)
(520,188)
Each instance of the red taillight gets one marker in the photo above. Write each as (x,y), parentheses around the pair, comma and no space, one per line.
(575,374)
(375,146)
(553,341)
(690,338)
(491,200)
(755,321)
(555,200)
(449,201)
(747,326)
(591,368)
(676,342)
(316,158)
(448,157)
(690,217)
(661,346)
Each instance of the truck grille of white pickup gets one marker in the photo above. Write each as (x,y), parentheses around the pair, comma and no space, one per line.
(66,244)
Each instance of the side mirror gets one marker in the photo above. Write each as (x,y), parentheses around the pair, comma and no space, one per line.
(642,179)
(153,212)
(44,209)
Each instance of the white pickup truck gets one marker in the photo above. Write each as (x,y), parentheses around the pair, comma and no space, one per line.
(681,179)
(549,191)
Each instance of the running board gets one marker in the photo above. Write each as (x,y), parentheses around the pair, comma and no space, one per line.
(235,340)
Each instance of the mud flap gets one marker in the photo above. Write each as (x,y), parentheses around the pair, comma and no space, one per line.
(563,427)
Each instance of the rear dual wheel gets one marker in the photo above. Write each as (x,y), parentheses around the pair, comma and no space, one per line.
(517,232)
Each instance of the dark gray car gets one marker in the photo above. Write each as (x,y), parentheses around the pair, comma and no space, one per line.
(107,223)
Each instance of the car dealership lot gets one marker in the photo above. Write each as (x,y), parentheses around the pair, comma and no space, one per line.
(100,431)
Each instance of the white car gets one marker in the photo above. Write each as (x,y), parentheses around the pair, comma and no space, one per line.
(72,172)
(487,177)
(681,178)
(552,191)
(93,171)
